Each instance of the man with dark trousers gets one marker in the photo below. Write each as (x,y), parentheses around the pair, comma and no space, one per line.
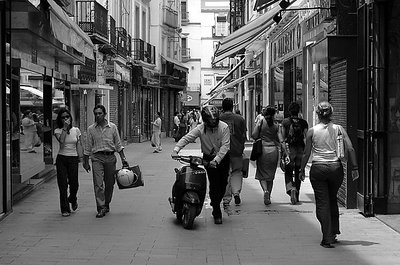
(237,128)
(102,142)
(293,131)
(215,143)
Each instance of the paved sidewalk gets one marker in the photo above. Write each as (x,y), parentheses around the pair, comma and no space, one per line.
(141,229)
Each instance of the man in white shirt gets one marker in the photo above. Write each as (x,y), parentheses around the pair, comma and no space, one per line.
(156,137)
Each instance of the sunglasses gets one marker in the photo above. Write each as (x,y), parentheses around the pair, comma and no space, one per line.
(65,117)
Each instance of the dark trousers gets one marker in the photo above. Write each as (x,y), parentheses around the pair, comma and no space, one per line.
(218,179)
(67,174)
(292,170)
(326,180)
(103,167)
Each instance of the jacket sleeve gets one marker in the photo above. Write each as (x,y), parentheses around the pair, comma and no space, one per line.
(225,144)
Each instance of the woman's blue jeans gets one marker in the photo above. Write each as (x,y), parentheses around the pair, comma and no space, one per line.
(326,179)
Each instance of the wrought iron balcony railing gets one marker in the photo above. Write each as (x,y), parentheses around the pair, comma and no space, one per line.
(92,18)
(185,18)
(185,54)
(122,39)
(143,51)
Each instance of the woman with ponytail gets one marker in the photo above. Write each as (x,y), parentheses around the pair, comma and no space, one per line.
(326,172)
(267,163)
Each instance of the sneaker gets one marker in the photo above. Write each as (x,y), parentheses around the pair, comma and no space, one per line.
(101,213)
(155,151)
(107,209)
(32,151)
(65,214)
(74,206)
(237,199)
(267,199)
(293,196)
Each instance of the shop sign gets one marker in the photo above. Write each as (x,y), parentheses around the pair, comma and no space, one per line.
(288,42)
(100,69)
(191,98)
(151,77)
(113,71)
(125,74)
(216,102)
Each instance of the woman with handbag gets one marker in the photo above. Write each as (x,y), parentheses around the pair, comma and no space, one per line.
(267,162)
(328,144)
(67,160)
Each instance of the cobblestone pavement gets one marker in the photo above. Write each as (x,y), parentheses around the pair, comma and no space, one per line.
(141,229)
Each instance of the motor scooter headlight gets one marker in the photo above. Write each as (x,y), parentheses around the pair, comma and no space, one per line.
(196,161)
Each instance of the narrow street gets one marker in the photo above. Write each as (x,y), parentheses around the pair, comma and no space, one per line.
(141,229)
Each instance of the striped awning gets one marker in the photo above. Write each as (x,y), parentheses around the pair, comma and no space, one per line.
(245,35)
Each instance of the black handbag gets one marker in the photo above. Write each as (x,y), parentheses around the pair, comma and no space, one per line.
(256,151)
(138,179)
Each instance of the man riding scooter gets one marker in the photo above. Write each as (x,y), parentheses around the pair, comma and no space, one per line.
(215,141)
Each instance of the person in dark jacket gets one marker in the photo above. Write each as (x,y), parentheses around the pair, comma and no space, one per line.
(237,128)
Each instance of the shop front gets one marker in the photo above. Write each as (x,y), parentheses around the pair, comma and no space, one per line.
(378,134)
(173,82)
(286,68)
(8,124)
(40,71)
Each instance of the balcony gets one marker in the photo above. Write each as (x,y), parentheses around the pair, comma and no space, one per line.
(143,51)
(219,32)
(170,17)
(185,54)
(92,18)
(122,40)
(185,18)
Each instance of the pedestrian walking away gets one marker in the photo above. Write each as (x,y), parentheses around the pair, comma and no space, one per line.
(326,172)
(102,142)
(67,161)
(293,131)
(215,143)
(176,126)
(237,128)
(267,163)
(156,137)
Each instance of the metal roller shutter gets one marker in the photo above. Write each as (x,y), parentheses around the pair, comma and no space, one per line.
(337,95)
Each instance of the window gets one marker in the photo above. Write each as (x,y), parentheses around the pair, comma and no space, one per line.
(221,27)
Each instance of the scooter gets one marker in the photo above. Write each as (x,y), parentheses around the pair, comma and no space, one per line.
(189,189)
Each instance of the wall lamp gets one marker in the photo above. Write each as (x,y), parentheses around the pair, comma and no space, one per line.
(284,4)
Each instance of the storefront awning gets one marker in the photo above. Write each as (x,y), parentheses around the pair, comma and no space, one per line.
(261,4)
(68,32)
(91,86)
(177,65)
(245,35)
(231,84)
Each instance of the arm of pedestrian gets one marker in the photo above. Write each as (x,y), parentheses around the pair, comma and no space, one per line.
(306,154)
(86,165)
(125,163)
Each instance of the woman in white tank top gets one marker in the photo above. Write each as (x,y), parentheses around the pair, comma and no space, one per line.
(326,172)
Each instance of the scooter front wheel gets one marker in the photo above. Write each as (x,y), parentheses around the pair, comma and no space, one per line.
(189,213)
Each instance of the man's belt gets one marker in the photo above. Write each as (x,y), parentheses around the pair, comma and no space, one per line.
(107,153)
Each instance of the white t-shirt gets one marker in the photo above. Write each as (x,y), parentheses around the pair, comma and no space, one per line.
(71,139)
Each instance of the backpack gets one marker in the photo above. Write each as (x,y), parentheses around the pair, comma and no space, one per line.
(295,135)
